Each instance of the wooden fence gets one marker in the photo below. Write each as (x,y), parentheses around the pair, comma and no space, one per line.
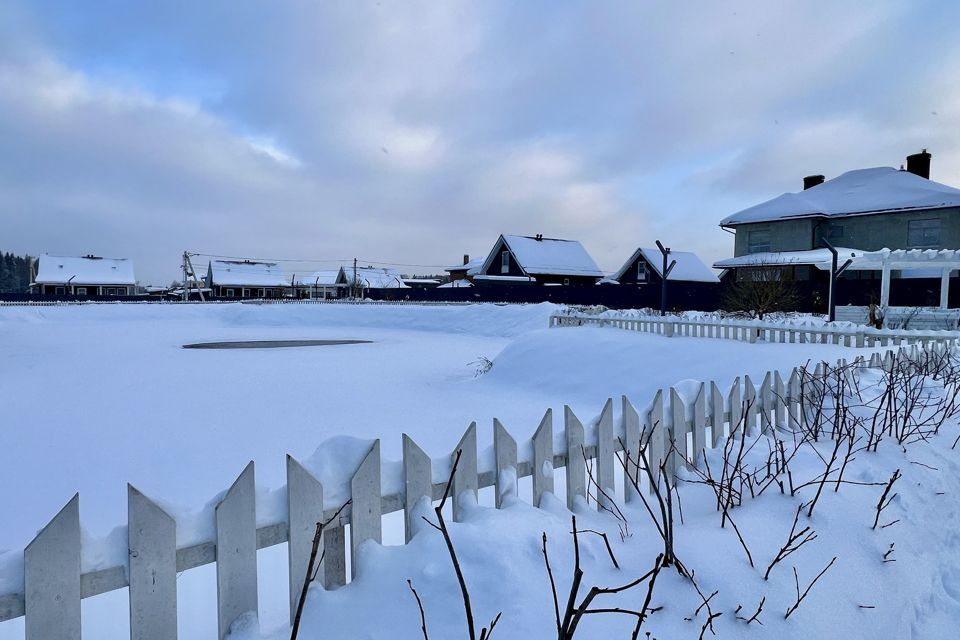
(54,584)
(753,331)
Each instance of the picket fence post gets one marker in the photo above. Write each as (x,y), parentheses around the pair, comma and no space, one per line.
(605,457)
(658,439)
(366,509)
(543,458)
(576,467)
(305,506)
(236,521)
(465,478)
(417,486)
(631,449)
(51,571)
(505,451)
(152,548)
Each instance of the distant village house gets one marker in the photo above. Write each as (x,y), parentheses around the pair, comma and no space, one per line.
(83,276)
(537,260)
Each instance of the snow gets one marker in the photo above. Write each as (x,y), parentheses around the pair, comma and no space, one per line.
(821,258)
(456,284)
(549,256)
(874,190)
(689,267)
(375,277)
(326,277)
(472,267)
(247,273)
(132,406)
(84,270)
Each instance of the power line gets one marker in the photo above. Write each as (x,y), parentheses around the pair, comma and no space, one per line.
(317,260)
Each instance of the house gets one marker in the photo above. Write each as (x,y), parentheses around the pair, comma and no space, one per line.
(370,278)
(870,209)
(84,276)
(537,260)
(317,285)
(463,273)
(645,266)
(246,279)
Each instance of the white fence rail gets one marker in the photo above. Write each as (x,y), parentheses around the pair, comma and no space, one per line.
(754,331)
(54,584)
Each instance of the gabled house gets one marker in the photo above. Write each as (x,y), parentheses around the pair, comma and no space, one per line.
(461,275)
(538,260)
(645,266)
(83,276)
(370,278)
(246,279)
(317,285)
(870,209)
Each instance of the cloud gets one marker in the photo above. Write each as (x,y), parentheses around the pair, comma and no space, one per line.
(415,132)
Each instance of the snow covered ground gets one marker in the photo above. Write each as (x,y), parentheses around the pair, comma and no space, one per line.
(93,397)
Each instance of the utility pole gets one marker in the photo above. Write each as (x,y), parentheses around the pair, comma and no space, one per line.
(355,283)
(834,274)
(185,296)
(189,275)
(667,268)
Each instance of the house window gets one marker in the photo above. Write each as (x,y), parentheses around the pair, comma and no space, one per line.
(566,281)
(923,233)
(111,291)
(229,293)
(505,262)
(641,271)
(60,291)
(81,291)
(758,241)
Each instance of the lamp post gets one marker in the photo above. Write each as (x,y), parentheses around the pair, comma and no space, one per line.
(666,272)
(834,274)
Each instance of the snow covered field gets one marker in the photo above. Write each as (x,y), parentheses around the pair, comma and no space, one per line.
(94,397)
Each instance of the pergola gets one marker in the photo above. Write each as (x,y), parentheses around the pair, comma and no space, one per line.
(886,260)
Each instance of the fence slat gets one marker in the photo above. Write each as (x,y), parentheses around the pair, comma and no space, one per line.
(716,415)
(779,401)
(334,557)
(765,404)
(417,484)
(736,407)
(505,452)
(793,400)
(576,467)
(631,449)
(236,519)
(605,457)
(699,425)
(750,407)
(465,479)
(677,453)
(657,437)
(51,568)
(543,458)
(366,509)
(152,546)
(305,506)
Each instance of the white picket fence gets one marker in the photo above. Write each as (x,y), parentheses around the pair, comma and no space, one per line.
(71,303)
(754,331)
(54,584)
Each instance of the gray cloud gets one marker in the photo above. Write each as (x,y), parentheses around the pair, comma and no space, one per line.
(414,132)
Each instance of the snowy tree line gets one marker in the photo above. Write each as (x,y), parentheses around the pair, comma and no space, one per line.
(14,273)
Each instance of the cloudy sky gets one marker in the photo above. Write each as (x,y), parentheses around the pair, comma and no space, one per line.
(414,132)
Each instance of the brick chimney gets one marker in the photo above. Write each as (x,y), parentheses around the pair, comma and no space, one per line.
(466,258)
(919,164)
(812,181)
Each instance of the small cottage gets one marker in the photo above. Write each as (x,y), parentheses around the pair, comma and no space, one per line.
(246,279)
(645,266)
(538,260)
(83,276)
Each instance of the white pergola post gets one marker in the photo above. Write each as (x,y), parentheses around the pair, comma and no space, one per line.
(945,289)
(885,284)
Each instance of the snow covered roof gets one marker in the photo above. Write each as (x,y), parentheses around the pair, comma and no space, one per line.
(472,267)
(375,277)
(84,270)
(689,267)
(325,278)
(456,284)
(818,257)
(247,272)
(875,190)
(550,256)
